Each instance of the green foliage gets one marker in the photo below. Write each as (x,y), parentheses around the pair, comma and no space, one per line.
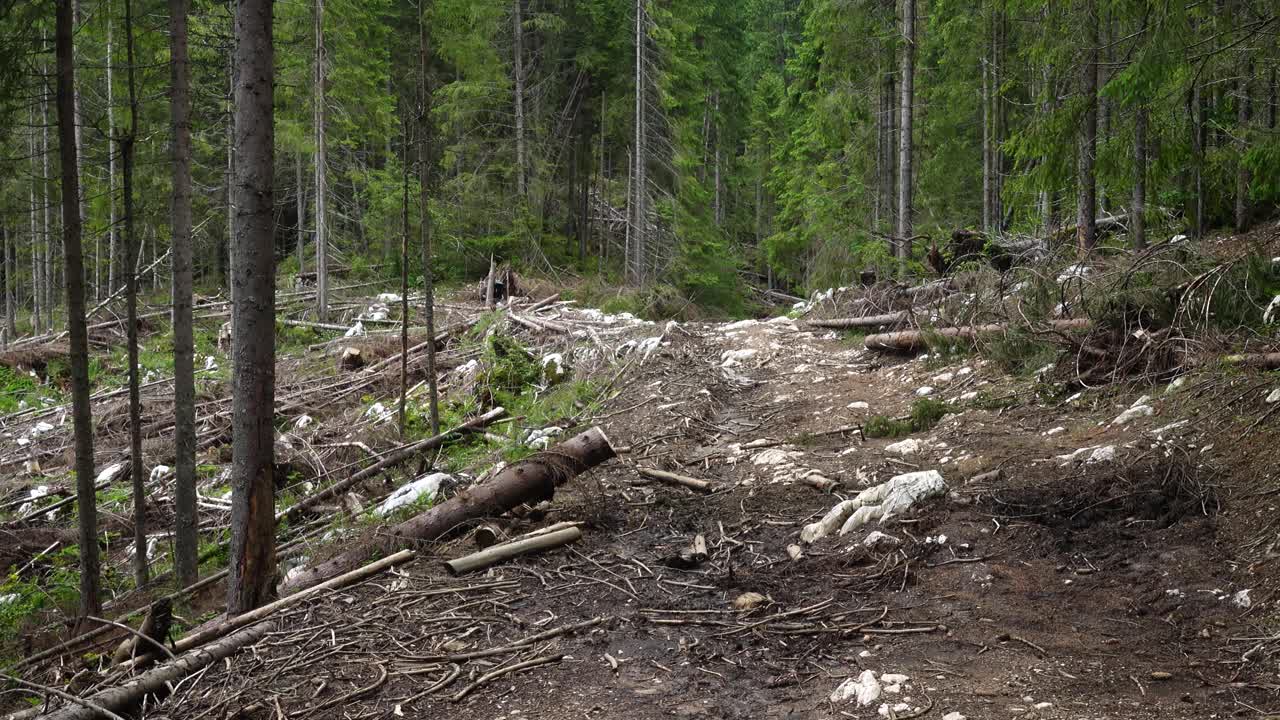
(1019,352)
(508,370)
(15,387)
(925,413)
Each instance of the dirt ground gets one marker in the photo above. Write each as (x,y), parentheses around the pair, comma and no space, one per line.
(1131,583)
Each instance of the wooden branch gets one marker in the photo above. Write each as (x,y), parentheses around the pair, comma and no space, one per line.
(82,702)
(505,551)
(915,340)
(518,667)
(670,478)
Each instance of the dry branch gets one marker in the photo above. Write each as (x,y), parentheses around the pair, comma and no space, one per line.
(500,553)
(671,478)
(914,340)
(895,318)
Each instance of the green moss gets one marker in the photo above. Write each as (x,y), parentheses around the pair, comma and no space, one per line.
(925,413)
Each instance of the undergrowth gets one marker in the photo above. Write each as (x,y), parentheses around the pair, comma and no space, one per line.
(925,413)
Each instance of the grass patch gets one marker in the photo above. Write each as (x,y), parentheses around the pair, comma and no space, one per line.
(15,388)
(1018,352)
(925,413)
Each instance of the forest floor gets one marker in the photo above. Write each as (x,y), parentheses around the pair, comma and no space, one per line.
(1135,579)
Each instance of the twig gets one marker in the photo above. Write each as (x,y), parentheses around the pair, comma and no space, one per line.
(518,667)
(64,695)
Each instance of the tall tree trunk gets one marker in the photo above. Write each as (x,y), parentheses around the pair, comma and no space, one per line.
(986,131)
(252,562)
(322,187)
(905,147)
(186,545)
(1138,223)
(1197,151)
(1242,132)
(37,238)
(302,214)
(640,160)
(46,272)
(229,178)
(86,506)
(140,565)
(1087,143)
(112,233)
(521,168)
(424,217)
(404,282)
(10,307)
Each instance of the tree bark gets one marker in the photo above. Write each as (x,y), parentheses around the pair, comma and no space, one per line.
(518,54)
(905,146)
(531,480)
(322,220)
(1242,132)
(424,219)
(79,339)
(252,562)
(111,162)
(301,206)
(914,340)
(46,269)
(639,219)
(186,540)
(36,238)
(1138,223)
(126,143)
(1087,142)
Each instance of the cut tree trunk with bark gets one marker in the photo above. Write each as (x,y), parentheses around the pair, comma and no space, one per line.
(671,478)
(1138,227)
(908,341)
(158,680)
(522,175)
(501,553)
(186,538)
(395,458)
(79,337)
(529,481)
(870,321)
(424,218)
(1261,361)
(253,524)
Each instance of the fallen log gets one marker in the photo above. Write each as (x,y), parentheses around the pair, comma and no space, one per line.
(399,456)
(678,480)
(819,481)
(907,341)
(890,319)
(529,481)
(1261,361)
(158,680)
(505,551)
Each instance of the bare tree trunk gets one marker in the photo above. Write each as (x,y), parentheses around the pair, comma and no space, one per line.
(521,169)
(10,326)
(46,272)
(640,160)
(301,206)
(1086,151)
(186,540)
(126,142)
(75,15)
(1197,150)
(322,221)
(424,218)
(111,161)
(404,282)
(79,338)
(230,179)
(1138,223)
(986,135)
(36,236)
(905,147)
(1242,132)
(252,562)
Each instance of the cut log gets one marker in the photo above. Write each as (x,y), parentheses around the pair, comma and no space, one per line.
(158,680)
(870,321)
(351,359)
(506,551)
(531,480)
(915,340)
(1261,361)
(486,536)
(818,480)
(404,453)
(670,478)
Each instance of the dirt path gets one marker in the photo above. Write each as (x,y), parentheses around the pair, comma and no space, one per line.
(1050,589)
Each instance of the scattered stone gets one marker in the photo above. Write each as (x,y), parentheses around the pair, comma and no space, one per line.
(1133,413)
(1161,675)
(910,446)
(427,486)
(1054,431)
(1175,385)
(924,391)
(877,538)
(954,716)
(1274,397)
(860,405)
(865,690)
(1242,600)
(795,552)
(748,601)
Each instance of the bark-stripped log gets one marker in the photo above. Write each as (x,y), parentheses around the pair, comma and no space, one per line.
(529,481)
(915,340)
(670,478)
(895,318)
(505,551)
(1261,361)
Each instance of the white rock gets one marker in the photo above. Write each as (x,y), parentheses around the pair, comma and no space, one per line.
(1242,600)
(733,358)
(1102,455)
(1075,271)
(945,377)
(303,422)
(41,427)
(541,438)
(971,395)
(954,716)
(898,709)
(878,503)
(158,472)
(773,456)
(910,446)
(9,598)
(924,391)
(865,690)
(936,540)
(860,405)
(876,538)
(376,411)
(1054,431)
(740,325)
(1274,397)
(389,298)
(553,366)
(109,473)
(357,329)
(410,493)
(1132,414)
(1175,385)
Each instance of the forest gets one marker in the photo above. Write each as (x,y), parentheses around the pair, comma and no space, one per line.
(314,308)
